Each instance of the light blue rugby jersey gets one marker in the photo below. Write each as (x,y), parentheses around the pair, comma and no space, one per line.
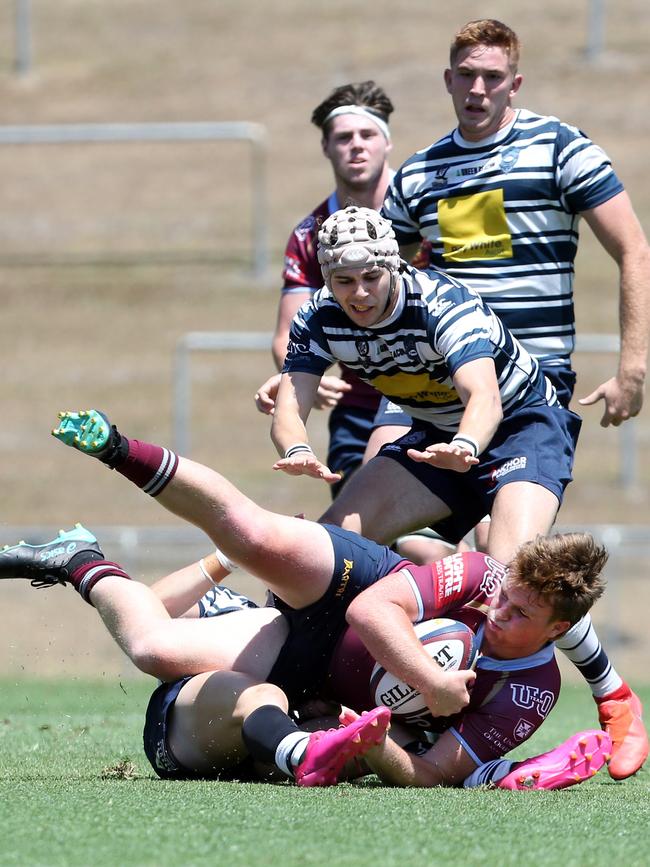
(437,326)
(502,216)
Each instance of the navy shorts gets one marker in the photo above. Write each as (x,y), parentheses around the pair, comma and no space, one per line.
(349,429)
(532,444)
(389,413)
(303,662)
(564,380)
(156,742)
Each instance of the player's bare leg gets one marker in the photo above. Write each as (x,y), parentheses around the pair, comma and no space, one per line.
(291,556)
(248,640)
(205,730)
(383,501)
(521,511)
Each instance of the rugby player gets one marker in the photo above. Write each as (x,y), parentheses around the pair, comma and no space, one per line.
(270,660)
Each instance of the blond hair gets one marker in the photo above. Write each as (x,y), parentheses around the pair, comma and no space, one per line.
(490,32)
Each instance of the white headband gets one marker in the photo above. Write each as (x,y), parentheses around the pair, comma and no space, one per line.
(359,109)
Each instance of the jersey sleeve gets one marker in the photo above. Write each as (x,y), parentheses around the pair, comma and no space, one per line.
(461,327)
(301,271)
(584,172)
(396,210)
(454,581)
(308,350)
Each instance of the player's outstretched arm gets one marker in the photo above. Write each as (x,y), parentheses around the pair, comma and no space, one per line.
(618,229)
(477,386)
(294,401)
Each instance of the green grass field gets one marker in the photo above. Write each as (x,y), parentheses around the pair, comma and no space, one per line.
(64,801)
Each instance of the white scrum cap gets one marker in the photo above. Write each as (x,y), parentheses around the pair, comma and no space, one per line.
(356,238)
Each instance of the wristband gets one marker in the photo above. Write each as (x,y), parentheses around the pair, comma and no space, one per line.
(296,448)
(225,561)
(205,573)
(469,444)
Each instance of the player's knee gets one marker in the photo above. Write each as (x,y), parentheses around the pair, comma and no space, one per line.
(258,695)
(154,655)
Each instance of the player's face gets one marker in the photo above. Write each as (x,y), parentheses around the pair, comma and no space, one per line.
(482,84)
(364,294)
(519,622)
(358,151)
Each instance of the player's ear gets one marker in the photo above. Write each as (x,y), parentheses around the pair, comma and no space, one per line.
(447,77)
(516,84)
(558,628)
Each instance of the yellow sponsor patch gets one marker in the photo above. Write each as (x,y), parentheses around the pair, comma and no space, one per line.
(474,227)
(417,386)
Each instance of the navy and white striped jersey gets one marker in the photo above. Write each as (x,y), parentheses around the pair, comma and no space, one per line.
(437,326)
(502,215)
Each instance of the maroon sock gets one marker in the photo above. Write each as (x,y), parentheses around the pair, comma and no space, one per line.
(84,577)
(619,694)
(148,466)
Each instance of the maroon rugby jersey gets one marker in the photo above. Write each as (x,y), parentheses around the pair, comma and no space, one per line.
(510,698)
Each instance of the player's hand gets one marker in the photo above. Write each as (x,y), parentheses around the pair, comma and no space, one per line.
(447,456)
(306,464)
(330,392)
(347,715)
(266,394)
(623,399)
(450,694)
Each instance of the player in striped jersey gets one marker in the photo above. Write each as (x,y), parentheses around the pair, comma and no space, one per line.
(432,346)
(500,200)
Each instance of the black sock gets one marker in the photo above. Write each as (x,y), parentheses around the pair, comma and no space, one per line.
(264,729)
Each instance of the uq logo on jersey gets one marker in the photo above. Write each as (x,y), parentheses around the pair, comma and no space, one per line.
(492,577)
(532,698)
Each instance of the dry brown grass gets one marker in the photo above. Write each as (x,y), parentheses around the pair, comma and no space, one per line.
(109,253)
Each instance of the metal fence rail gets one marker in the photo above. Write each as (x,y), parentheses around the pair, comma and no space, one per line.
(246,341)
(153,551)
(92,133)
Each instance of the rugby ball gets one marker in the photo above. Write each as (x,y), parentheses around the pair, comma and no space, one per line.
(449,643)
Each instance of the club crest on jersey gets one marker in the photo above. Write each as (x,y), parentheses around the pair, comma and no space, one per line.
(410,347)
(509,159)
(440,179)
(522,730)
(532,698)
(363,348)
(304,229)
(492,577)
